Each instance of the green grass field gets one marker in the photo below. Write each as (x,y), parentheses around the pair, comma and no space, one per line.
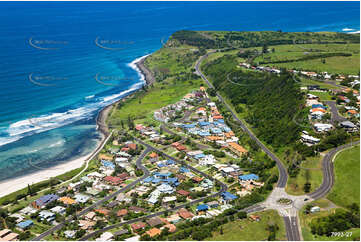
(335,64)
(346,189)
(246,229)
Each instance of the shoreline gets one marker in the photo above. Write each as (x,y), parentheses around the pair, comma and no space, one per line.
(12,185)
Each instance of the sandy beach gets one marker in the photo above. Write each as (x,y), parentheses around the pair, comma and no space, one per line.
(12,185)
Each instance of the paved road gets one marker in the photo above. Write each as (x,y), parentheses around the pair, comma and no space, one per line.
(90,208)
(283,176)
(335,116)
(328,175)
(292,231)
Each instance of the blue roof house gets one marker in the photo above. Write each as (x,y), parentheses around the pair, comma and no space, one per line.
(249,177)
(227,196)
(204,133)
(203,124)
(162,175)
(148,179)
(202,207)
(108,164)
(199,156)
(170,162)
(44,200)
(183,169)
(25,224)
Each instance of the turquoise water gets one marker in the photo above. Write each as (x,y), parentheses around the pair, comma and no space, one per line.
(51,54)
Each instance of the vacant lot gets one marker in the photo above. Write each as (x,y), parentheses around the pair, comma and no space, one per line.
(246,229)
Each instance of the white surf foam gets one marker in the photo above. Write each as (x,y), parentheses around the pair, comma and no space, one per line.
(347,29)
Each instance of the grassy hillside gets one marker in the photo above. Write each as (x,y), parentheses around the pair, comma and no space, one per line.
(347,181)
(333,58)
(172,69)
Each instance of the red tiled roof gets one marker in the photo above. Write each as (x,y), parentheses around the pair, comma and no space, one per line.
(183,192)
(137,226)
(122,212)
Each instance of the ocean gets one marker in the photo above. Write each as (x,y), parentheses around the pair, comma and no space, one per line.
(61,62)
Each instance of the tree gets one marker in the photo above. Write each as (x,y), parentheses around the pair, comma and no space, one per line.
(29,190)
(264,49)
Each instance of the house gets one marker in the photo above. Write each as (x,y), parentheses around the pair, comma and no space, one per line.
(105,157)
(249,177)
(102,211)
(121,232)
(122,212)
(254,217)
(169,199)
(136,209)
(137,226)
(106,236)
(67,200)
(80,198)
(69,234)
(183,193)
(123,198)
(320,127)
(108,164)
(27,211)
(175,218)
(154,221)
(153,157)
(309,139)
(227,196)
(348,126)
(7,235)
(352,112)
(44,200)
(85,224)
(236,148)
(202,207)
(171,227)
(58,209)
(25,225)
(213,204)
(113,180)
(90,216)
(18,217)
(185,214)
(153,232)
(165,188)
(315,209)
(197,179)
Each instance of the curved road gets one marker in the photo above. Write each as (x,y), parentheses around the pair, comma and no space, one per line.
(335,116)
(328,175)
(283,176)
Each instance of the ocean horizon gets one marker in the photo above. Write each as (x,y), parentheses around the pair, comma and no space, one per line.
(62,62)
